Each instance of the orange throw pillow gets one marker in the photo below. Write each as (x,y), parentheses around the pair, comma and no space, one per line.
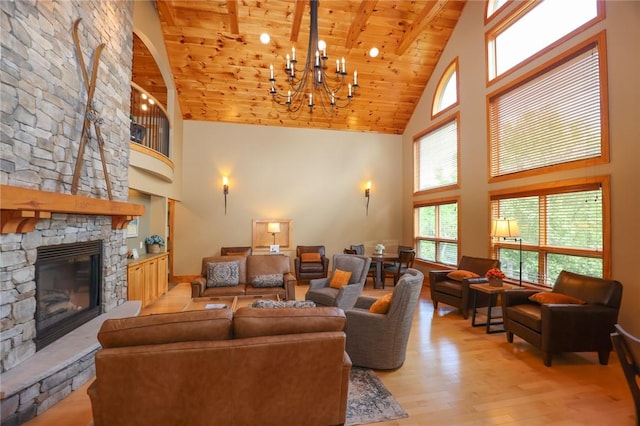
(549,297)
(340,278)
(310,257)
(381,306)
(461,274)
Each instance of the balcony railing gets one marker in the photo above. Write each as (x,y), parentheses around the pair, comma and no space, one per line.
(149,121)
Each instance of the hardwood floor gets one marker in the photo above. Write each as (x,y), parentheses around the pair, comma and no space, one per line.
(455,374)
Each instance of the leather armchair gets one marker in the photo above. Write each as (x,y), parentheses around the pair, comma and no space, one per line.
(379,341)
(311,269)
(345,297)
(555,328)
(235,251)
(457,293)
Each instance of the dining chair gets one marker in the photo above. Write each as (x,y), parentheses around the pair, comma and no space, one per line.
(359,249)
(405,261)
(349,251)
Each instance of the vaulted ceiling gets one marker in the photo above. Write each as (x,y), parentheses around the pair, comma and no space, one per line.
(221,69)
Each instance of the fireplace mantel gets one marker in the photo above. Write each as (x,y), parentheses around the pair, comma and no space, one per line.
(23,207)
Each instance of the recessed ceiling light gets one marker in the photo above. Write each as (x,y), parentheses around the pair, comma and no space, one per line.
(265,38)
(373,52)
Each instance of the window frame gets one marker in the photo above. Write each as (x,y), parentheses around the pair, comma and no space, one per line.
(510,19)
(416,157)
(546,189)
(491,12)
(598,41)
(452,68)
(436,202)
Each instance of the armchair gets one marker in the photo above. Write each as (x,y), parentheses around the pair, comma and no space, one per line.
(311,262)
(560,326)
(344,297)
(379,341)
(235,251)
(456,293)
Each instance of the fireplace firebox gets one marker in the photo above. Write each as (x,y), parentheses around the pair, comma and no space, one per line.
(68,280)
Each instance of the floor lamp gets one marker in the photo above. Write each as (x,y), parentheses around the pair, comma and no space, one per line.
(508,228)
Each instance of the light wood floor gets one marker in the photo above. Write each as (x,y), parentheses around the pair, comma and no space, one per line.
(458,375)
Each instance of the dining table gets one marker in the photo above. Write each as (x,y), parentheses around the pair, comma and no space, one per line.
(379,259)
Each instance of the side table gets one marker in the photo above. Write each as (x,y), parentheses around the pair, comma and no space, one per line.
(493,293)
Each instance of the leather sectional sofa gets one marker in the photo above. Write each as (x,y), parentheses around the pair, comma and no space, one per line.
(213,367)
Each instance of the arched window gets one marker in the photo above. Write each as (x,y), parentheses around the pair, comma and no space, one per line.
(446,95)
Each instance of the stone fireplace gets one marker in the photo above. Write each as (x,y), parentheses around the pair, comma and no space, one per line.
(43,108)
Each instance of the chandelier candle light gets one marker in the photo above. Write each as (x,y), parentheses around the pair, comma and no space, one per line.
(312,87)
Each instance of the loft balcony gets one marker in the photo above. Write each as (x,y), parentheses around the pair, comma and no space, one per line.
(150,136)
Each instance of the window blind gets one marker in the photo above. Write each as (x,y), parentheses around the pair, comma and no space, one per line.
(554,118)
(437,157)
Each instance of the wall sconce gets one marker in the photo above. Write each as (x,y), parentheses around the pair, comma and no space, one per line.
(225,191)
(367,195)
(508,228)
(273,228)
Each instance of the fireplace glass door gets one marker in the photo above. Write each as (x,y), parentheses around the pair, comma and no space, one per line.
(68,278)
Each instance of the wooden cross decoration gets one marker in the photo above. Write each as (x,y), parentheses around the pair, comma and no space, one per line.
(90,115)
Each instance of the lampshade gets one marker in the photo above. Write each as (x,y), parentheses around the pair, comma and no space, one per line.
(273,227)
(506,228)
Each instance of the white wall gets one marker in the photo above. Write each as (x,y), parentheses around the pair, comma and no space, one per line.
(146,25)
(623,48)
(314,177)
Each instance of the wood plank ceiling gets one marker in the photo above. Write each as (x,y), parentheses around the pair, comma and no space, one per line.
(221,69)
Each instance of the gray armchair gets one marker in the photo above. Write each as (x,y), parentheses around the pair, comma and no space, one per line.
(379,341)
(345,297)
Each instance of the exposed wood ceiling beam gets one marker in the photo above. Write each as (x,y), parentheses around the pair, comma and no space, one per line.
(165,12)
(426,16)
(360,22)
(232,5)
(297,19)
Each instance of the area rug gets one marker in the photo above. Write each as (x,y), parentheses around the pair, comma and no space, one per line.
(369,401)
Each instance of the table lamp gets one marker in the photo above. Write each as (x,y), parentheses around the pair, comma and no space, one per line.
(508,228)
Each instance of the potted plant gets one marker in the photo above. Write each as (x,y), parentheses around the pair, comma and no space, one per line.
(154,243)
(379,248)
(495,277)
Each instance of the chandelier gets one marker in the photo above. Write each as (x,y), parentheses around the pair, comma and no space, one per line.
(313,86)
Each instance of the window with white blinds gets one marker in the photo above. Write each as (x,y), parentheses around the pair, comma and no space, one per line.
(556,117)
(562,227)
(436,157)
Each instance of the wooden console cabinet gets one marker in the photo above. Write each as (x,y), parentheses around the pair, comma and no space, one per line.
(148,277)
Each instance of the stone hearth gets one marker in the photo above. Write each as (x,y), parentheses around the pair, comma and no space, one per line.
(42,115)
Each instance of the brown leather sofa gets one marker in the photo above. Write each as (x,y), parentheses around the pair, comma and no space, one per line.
(456,293)
(562,327)
(309,269)
(211,367)
(249,267)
